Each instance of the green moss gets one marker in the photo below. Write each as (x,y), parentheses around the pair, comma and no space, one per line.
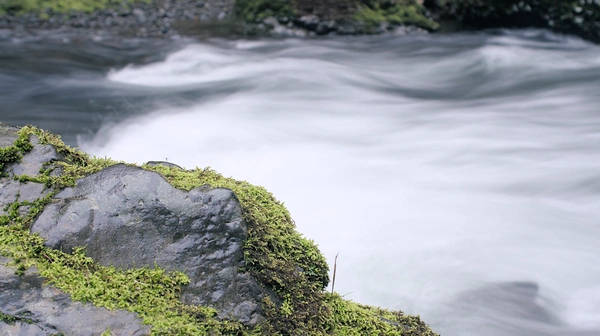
(25,6)
(353,319)
(34,209)
(275,254)
(15,152)
(402,12)
(255,10)
(371,12)
(7,318)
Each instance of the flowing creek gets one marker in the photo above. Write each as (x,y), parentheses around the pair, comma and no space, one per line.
(458,176)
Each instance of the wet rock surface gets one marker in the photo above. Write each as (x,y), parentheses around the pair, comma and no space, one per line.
(34,162)
(29,307)
(129,217)
(31,164)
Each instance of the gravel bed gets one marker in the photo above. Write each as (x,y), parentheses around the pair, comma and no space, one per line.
(154,19)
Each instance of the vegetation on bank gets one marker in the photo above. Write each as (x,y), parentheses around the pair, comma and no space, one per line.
(61,6)
(276,254)
(252,11)
(371,13)
(578,17)
(397,12)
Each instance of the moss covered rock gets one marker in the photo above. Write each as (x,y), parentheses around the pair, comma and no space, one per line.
(288,269)
(32,308)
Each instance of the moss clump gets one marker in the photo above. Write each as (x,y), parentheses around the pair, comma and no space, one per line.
(7,318)
(399,12)
(15,152)
(371,13)
(256,10)
(73,165)
(86,6)
(353,319)
(275,254)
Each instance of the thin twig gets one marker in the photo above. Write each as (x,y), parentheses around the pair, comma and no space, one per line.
(334,271)
(347,294)
(49,259)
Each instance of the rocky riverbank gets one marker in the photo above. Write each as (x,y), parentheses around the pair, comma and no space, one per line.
(296,18)
(171,18)
(155,18)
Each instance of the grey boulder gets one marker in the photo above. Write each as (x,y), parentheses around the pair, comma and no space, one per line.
(130,217)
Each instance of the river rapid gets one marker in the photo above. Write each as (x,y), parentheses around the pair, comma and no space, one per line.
(457,176)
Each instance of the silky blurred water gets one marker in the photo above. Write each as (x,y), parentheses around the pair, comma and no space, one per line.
(458,176)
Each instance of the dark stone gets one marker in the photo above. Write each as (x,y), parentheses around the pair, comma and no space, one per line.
(571,17)
(324,28)
(39,309)
(129,217)
(309,22)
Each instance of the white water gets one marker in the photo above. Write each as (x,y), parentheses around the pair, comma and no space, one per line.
(452,174)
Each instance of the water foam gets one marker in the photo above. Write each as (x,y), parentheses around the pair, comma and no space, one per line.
(426,199)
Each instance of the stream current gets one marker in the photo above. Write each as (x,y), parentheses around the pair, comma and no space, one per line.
(458,176)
